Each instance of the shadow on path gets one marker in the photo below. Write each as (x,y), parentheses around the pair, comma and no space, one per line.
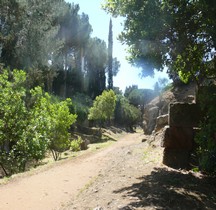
(164,189)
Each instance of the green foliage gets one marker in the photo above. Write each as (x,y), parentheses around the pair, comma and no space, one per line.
(136,97)
(29,125)
(139,97)
(61,120)
(23,137)
(75,145)
(49,39)
(55,120)
(11,24)
(183,77)
(103,106)
(117,91)
(129,89)
(115,66)
(74,33)
(81,105)
(206,137)
(126,114)
(160,85)
(176,34)
(96,63)
(13,116)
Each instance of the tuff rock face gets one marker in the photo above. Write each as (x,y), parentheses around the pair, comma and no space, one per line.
(151,114)
(161,122)
(159,106)
(175,125)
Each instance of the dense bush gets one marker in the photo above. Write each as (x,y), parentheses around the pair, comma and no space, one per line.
(206,137)
(81,105)
(75,145)
(126,114)
(61,120)
(103,107)
(14,137)
(30,123)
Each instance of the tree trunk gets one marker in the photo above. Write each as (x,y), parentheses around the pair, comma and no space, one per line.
(110,58)
(65,76)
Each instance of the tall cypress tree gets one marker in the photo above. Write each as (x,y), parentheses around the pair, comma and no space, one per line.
(110,58)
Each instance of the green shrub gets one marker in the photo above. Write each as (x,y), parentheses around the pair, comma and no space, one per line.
(103,107)
(206,137)
(75,145)
(126,114)
(29,125)
(56,120)
(22,135)
(81,105)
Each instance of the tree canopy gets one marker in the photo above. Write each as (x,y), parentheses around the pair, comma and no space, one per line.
(103,106)
(31,123)
(51,41)
(179,34)
(126,114)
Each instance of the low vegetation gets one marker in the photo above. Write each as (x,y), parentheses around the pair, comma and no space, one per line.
(206,137)
(75,145)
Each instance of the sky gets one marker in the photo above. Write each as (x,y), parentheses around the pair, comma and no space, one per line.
(99,20)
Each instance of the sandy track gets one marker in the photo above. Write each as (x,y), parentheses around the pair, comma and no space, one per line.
(55,187)
(128,175)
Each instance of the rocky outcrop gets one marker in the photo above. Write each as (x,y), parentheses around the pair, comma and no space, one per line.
(151,114)
(184,118)
(161,122)
(160,106)
(84,144)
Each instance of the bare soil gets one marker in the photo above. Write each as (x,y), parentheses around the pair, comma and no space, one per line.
(129,174)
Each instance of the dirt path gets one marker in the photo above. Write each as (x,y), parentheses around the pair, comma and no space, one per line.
(127,175)
(52,188)
(126,163)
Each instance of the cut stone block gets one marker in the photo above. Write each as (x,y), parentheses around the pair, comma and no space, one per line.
(184,115)
(178,138)
(176,158)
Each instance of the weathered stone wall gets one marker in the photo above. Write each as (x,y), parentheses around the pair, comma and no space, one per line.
(178,137)
(184,115)
(182,124)
(181,138)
